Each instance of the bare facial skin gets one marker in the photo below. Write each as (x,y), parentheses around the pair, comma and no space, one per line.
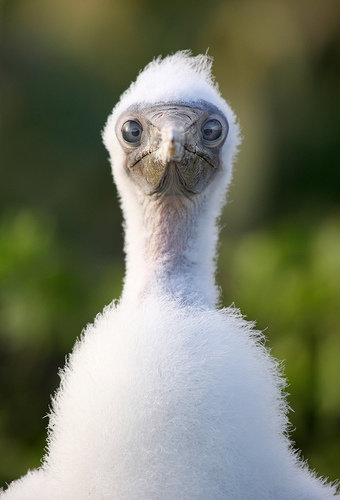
(172,148)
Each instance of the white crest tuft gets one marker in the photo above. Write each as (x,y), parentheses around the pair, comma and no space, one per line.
(177,77)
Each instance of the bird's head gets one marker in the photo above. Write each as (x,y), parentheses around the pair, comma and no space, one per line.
(172,134)
(172,148)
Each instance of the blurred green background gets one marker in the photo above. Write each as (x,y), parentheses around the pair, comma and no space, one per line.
(63,66)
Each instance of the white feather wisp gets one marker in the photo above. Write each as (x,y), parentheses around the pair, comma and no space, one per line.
(162,399)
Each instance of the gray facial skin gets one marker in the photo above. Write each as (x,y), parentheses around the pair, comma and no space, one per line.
(171,156)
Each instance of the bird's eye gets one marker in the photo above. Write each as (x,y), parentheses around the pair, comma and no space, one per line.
(132,132)
(211,130)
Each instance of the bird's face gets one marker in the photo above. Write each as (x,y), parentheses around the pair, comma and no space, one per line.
(172,148)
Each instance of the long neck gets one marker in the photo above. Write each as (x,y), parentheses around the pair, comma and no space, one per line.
(170,246)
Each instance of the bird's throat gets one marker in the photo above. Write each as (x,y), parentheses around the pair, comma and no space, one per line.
(172,254)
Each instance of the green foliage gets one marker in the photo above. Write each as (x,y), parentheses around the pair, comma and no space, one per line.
(287,279)
(47,295)
(44,284)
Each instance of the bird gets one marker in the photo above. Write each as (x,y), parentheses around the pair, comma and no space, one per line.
(166,395)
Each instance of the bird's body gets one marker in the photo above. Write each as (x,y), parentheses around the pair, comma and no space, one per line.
(165,397)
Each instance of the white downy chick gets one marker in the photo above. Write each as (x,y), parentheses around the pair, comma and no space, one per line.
(166,397)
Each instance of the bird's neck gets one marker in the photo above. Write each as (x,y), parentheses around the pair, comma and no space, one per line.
(170,248)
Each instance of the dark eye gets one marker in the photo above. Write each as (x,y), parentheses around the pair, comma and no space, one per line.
(132,132)
(211,130)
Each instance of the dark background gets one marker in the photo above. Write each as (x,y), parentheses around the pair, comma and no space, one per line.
(63,66)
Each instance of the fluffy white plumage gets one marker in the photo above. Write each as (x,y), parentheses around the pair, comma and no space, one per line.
(164,397)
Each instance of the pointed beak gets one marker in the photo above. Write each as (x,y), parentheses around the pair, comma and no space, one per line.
(172,144)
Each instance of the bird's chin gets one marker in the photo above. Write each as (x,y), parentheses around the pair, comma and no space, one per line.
(173,183)
(187,178)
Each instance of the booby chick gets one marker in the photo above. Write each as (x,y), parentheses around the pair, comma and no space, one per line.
(166,397)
